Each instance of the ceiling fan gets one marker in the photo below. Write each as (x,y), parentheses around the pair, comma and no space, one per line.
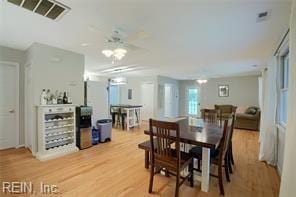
(119,42)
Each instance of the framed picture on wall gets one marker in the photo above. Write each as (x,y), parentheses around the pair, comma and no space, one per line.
(223,90)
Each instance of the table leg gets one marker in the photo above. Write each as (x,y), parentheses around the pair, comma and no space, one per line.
(127,120)
(205,183)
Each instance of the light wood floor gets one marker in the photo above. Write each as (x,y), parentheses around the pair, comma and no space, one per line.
(117,169)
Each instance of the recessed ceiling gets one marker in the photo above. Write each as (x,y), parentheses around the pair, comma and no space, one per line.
(186,39)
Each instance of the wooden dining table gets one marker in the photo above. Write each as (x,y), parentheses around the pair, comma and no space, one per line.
(200,133)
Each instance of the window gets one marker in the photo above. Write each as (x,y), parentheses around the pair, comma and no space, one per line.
(192,101)
(284,84)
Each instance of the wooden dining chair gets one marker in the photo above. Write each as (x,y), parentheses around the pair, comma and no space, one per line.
(210,115)
(230,148)
(166,137)
(219,157)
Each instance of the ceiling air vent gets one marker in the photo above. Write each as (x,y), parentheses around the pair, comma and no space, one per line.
(48,8)
(262,16)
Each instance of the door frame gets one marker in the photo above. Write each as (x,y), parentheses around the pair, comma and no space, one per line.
(28,118)
(17,113)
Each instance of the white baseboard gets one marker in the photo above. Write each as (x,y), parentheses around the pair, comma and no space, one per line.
(279,171)
(20,146)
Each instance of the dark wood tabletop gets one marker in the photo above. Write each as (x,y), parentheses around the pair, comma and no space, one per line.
(198,133)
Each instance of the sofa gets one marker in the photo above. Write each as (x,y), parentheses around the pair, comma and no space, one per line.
(249,120)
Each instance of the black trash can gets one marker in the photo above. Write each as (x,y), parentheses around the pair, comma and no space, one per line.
(105,129)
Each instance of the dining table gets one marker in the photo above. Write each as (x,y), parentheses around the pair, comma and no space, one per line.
(200,133)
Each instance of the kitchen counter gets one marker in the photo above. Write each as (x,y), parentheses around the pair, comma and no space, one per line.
(126,106)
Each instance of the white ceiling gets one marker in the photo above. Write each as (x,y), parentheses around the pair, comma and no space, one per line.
(187,39)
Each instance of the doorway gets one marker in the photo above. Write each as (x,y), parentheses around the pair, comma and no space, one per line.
(147,101)
(9,105)
(171,105)
(193,101)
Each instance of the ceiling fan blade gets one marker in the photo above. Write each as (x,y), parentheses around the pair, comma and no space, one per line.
(133,47)
(137,36)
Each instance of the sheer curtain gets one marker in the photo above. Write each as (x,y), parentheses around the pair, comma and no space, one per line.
(288,178)
(268,127)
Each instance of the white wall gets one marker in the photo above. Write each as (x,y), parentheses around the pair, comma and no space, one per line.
(243,92)
(288,178)
(17,56)
(135,84)
(66,74)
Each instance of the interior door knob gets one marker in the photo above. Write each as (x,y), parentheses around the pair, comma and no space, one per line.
(11,111)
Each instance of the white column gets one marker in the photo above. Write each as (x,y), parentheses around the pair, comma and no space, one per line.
(205,181)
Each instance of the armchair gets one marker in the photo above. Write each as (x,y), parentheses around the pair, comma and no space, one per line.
(249,120)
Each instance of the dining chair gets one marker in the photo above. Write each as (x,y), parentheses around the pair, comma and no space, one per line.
(210,115)
(220,156)
(230,148)
(168,156)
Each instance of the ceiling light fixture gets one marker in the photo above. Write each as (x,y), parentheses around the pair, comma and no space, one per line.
(116,54)
(118,81)
(202,81)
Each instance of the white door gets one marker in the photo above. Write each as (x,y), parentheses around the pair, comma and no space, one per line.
(97,98)
(147,100)
(8,105)
(168,100)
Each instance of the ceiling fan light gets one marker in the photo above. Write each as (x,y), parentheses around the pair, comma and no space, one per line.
(119,56)
(120,51)
(107,52)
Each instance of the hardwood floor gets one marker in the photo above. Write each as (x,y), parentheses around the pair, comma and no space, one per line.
(117,169)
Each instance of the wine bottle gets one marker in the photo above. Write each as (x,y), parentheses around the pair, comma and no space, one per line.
(43,100)
(69,98)
(65,98)
(60,98)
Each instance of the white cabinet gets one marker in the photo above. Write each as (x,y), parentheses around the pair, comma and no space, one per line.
(56,131)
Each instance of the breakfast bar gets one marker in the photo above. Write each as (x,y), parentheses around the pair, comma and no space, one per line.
(131,114)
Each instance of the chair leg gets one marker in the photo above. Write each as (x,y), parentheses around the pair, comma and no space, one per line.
(167,173)
(113,119)
(191,179)
(231,154)
(122,122)
(226,167)
(146,159)
(229,164)
(151,178)
(177,183)
(220,180)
